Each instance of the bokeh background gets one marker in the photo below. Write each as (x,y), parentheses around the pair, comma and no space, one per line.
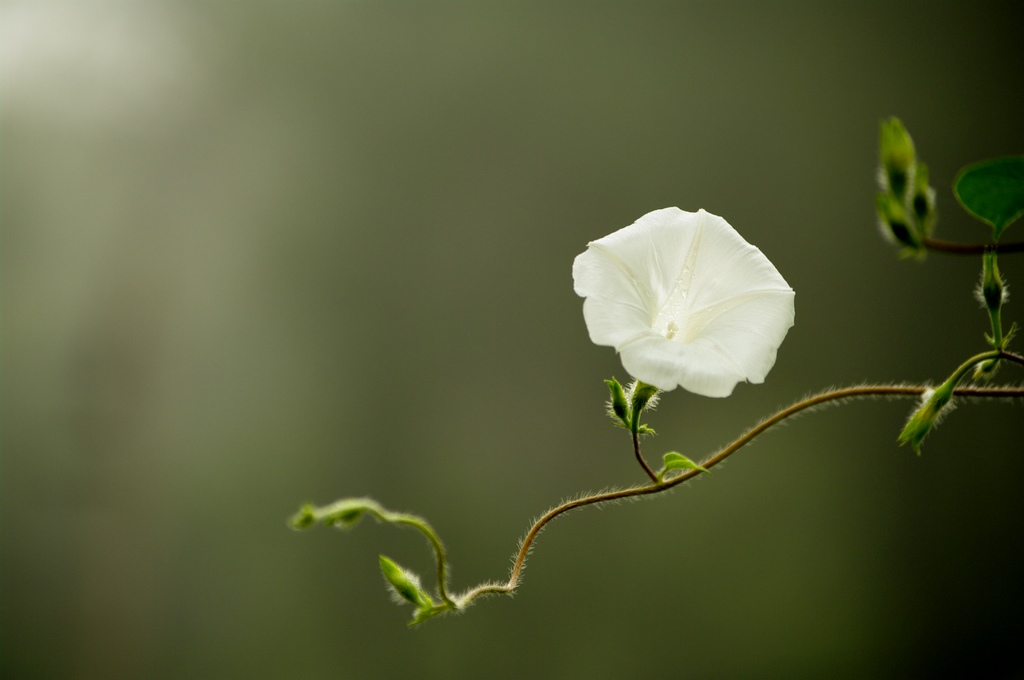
(261,253)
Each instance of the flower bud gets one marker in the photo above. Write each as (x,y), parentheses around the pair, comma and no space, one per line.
(896,151)
(304,518)
(404,585)
(345,513)
(642,394)
(933,406)
(923,201)
(992,291)
(617,407)
(892,218)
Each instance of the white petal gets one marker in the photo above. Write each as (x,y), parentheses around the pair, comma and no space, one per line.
(726,266)
(614,323)
(750,333)
(698,367)
(686,301)
(652,251)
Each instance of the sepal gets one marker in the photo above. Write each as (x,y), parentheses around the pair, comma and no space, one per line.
(618,407)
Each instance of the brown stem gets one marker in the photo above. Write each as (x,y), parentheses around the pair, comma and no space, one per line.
(1011,356)
(721,455)
(952,248)
(640,458)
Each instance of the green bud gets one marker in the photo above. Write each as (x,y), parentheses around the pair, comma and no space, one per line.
(993,291)
(618,409)
(986,370)
(894,222)
(923,201)
(345,513)
(404,584)
(927,415)
(642,395)
(304,518)
(896,151)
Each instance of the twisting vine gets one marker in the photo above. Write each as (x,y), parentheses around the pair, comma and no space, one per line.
(644,293)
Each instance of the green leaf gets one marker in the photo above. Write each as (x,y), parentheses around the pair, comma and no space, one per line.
(993,191)
(674,460)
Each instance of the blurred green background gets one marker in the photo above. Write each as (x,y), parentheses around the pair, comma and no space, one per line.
(261,253)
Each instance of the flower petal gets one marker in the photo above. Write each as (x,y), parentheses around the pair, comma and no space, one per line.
(700,367)
(686,301)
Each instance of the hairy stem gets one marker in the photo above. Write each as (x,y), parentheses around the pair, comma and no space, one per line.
(719,456)
(1010,356)
(952,248)
(346,512)
(640,458)
(435,541)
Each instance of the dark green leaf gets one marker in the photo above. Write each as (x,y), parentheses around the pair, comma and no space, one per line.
(993,191)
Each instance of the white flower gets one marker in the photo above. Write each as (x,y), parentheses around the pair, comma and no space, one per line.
(685,301)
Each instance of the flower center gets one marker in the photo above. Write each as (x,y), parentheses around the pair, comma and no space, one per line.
(671,320)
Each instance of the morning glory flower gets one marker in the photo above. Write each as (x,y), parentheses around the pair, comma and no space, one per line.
(685,301)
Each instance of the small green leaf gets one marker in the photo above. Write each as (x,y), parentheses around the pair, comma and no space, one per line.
(993,191)
(674,460)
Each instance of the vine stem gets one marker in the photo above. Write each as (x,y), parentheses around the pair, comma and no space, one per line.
(1010,356)
(714,459)
(439,553)
(640,458)
(952,248)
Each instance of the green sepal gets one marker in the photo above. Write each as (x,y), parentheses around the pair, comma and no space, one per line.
(673,460)
(645,429)
(421,615)
(1003,343)
(618,407)
(986,370)
(993,191)
(404,584)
